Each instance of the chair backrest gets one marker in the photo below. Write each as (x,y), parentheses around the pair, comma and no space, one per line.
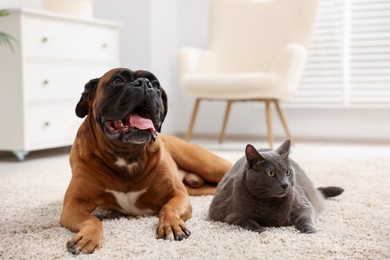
(247,35)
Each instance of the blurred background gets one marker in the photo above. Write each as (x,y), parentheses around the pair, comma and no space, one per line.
(343,95)
(348,100)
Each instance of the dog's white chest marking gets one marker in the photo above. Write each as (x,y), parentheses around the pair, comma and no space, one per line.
(122,163)
(128,200)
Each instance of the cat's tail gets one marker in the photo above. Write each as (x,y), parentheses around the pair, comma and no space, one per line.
(330,191)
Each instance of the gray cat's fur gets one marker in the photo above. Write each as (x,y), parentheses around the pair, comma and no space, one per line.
(249,197)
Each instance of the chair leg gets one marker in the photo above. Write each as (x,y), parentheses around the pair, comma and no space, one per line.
(269,122)
(225,120)
(192,122)
(283,120)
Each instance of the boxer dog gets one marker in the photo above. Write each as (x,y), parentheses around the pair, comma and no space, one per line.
(121,162)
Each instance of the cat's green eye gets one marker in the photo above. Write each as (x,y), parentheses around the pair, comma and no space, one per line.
(271,174)
(288,173)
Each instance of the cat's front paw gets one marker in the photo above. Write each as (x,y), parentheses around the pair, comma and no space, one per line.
(248,224)
(308,229)
(259,230)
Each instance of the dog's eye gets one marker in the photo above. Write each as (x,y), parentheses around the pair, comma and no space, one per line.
(118,80)
(156,84)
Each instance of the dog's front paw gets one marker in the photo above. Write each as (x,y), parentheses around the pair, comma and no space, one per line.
(173,229)
(85,241)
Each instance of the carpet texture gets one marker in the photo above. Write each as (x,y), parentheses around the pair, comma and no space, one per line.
(355,225)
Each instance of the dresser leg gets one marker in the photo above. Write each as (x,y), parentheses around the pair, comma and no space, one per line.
(20,155)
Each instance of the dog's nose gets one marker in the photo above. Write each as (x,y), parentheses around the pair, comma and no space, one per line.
(142,82)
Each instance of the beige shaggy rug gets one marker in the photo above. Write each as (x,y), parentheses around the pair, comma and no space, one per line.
(355,225)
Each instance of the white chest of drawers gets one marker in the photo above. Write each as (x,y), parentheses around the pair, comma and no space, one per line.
(41,80)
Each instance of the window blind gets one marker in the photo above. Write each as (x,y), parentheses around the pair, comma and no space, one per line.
(370,53)
(348,62)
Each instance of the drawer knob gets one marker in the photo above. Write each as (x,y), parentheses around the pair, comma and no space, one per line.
(45,82)
(45,40)
(46,124)
(104,45)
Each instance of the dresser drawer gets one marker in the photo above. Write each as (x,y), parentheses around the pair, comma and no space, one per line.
(51,124)
(42,79)
(57,81)
(54,38)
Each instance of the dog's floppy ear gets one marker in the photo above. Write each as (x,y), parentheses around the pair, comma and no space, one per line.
(164,98)
(82,106)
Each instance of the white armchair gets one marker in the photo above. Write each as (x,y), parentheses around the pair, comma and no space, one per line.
(257,51)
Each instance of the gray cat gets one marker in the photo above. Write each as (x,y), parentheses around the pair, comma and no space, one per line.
(265,188)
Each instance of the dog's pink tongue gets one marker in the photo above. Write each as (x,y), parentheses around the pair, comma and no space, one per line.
(141,123)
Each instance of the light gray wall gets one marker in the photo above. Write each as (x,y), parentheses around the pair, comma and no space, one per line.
(135,38)
(152,32)
(148,41)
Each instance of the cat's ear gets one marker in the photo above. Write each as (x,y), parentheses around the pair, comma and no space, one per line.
(284,149)
(252,155)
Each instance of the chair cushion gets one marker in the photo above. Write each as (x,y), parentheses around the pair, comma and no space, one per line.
(236,86)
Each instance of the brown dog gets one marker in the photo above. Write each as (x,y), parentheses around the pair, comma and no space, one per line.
(120,162)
